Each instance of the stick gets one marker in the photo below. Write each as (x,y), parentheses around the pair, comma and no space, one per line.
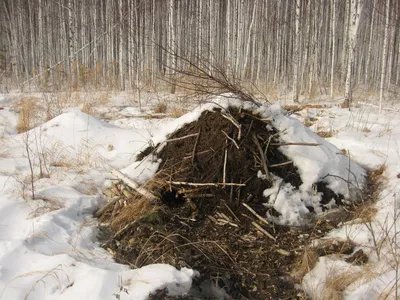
(147,116)
(132,184)
(115,209)
(233,141)
(255,214)
(204,184)
(125,228)
(270,139)
(283,252)
(281,164)
(223,222)
(103,209)
(195,147)
(237,219)
(225,160)
(263,158)
(196,196)
(295,144)
(182,138)
(234,122)
(262,230)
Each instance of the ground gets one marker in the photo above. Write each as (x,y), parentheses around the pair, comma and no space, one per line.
(52,179)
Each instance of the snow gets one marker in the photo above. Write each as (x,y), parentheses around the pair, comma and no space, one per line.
(49,247)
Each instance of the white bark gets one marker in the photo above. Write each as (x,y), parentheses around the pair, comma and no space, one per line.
(384,56)
(371,35)
(356,6)
(250,38)
(333,46)
(121,48)
(296,54)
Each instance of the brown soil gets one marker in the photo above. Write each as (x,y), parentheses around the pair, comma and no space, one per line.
(207,228)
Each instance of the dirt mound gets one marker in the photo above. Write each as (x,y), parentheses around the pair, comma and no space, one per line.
(208,212)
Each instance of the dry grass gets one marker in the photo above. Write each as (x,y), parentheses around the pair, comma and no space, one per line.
(306,264)
(161,108)
(177,112)
(339,282)
(46,205)
(4,153)
(87,108)
(103,98)
(29,114)
(326,134)
(364,213)
(136,208)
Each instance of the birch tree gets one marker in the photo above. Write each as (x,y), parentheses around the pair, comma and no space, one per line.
(296,54)
(356,6)
(384,56)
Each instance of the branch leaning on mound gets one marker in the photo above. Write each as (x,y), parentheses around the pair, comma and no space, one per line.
(132,184)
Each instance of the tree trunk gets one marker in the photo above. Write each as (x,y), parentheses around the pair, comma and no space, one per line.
(384,56)
(356,6)
(296,54)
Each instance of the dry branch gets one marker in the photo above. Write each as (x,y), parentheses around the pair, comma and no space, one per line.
(108,205)
(263,158)
(255,214)
(295,144)
(283,252)
(231,139)
(262,230)
(132,184)
(205,184)
(281,164)
(225,160)
(182,138)
(235,123)
(195,147)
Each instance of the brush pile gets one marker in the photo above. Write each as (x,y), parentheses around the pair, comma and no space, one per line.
(214,205)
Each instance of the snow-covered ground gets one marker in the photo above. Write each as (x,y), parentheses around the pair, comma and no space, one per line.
(48,246)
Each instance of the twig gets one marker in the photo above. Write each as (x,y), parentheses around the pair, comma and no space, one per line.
(231,139)
(132,184)
(147,116)
(199,196)
(281,164)
(182,138)
(225,160)
(204,184)
(337,176)
(295,144)
(234,122)
(125,228)
(195,147)
(262,230)
(263,159)
(255,214)
(233,214)
(115,209)
(103,209)
(270,139)
(223,221)
(283,252)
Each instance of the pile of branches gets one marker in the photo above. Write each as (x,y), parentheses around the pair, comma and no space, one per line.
(204,208)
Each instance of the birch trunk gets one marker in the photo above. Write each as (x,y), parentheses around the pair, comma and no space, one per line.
(384,56)
(333,46)
(296,54)
(371,35)
(356,6)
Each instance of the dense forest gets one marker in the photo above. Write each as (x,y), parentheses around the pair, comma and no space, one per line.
(298,45)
